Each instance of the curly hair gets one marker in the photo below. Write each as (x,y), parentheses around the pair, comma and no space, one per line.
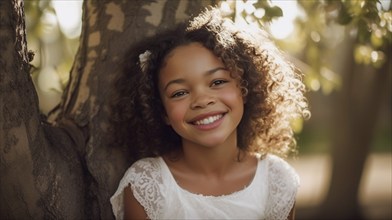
(272,87)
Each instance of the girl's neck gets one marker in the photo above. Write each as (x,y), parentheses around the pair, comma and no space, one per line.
(210,161)
(208,174)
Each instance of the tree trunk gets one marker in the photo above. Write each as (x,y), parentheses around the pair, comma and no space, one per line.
(38,165)
(66,169)
(356,110)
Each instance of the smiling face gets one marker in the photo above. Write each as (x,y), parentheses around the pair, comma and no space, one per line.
(203,103)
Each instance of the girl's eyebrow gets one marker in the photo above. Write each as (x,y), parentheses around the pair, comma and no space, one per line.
(209,72)
(178,81)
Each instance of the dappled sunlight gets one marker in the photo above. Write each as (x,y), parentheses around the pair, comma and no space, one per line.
(53,30)
(69,16)
(284,26)
(325,42)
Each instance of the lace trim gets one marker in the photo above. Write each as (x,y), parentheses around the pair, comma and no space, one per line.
(255,180)
(117,199)
(145,178)
(145,186)
(283,183)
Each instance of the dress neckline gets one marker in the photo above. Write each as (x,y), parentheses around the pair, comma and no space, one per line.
(248,187)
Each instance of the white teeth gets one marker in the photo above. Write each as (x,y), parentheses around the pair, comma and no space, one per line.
(208,120)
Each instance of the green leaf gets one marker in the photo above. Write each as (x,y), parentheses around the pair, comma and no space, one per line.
(364,32)
(272,12)
(344,16)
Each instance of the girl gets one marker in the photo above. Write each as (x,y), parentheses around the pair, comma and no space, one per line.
(205,107)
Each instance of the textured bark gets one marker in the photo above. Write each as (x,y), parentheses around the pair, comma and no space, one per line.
(109,28)
(37,167)
(66,169)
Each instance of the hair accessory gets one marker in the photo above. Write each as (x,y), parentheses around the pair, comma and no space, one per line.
(143,58)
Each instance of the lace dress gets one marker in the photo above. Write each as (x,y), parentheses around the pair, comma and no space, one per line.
(270,195)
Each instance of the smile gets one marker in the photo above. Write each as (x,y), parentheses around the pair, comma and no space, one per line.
(208,120)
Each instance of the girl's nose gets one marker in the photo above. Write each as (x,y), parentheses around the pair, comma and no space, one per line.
(202,101)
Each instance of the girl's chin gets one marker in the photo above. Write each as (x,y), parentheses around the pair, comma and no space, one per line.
(211,143)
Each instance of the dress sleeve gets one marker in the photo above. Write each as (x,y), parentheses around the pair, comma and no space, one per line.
(145,180)
(283,183)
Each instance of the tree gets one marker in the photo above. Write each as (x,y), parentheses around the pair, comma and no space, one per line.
(66,169)
(365,78)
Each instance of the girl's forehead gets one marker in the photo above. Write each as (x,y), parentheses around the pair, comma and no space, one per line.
(171,53)
(193,56)
(185,47)
(191,64)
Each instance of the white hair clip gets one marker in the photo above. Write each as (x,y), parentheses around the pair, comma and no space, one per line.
(143,58)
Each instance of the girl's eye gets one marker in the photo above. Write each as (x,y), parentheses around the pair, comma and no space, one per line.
(218,82)
(178,94)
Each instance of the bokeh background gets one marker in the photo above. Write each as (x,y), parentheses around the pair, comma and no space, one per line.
(344,51)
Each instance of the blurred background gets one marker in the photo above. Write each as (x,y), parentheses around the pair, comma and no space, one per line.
(344,50)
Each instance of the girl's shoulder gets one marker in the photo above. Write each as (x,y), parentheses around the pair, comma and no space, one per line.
(280,168)
(283,183)
(148,169)
(145,179)
(145,164)
(281,173)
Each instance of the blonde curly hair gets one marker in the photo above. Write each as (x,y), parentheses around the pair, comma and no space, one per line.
(273,88)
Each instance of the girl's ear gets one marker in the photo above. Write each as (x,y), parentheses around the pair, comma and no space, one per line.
(244,92)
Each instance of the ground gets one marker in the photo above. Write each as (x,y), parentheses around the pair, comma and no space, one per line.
(376,187)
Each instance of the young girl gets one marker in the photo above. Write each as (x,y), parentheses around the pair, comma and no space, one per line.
(205,107)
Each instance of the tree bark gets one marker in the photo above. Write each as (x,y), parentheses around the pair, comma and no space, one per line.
(66,169)
(37,167)
(357,107)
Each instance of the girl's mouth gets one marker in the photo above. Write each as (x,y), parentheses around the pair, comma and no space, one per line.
(208,120)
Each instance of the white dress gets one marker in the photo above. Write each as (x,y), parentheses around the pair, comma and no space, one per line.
(270,195)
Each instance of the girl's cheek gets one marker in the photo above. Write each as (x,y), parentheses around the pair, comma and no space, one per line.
(175,112)
(232,94)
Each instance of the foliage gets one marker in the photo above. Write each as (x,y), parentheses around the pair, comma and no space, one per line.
(320,25)
(253,11)
(368,22)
